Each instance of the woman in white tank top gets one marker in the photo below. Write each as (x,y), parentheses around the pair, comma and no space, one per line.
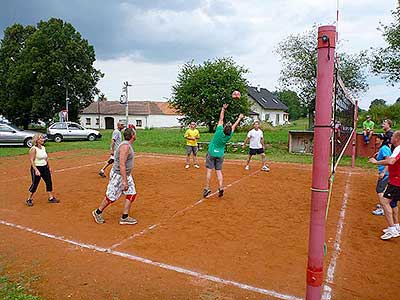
(40,169)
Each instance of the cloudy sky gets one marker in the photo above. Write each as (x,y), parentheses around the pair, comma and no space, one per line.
(147,41)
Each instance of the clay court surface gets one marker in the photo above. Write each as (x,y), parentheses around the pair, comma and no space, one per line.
(250,244)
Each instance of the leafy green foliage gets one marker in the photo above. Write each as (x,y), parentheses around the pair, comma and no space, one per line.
(296,108)
(377,102)
(201,90)
(14,290)
(386,61)
(381,112)
(40,66)
(298,55)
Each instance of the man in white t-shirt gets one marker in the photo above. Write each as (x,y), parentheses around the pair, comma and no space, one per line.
(257,146)
(115,142)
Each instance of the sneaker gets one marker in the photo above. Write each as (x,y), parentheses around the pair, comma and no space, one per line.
(387,229)
(265,168)
(53,200)
(220,192)
(196,166)
(378,212)
(247,168)
(101,174)
(206,192)
(29,202)
(378,205)
(98,218)
(187,167)
(390,234)
(128,221)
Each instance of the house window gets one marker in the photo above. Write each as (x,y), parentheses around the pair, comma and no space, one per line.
(277,119)
(97,121)
(266,117)
(138,123)
(88,121)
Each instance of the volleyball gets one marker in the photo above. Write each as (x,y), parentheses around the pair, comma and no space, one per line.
(236,95)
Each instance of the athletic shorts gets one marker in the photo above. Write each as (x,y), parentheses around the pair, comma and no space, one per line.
(111,160)
(213,162)
(256,151)
(190,149)
(393,193)
(381,184)
(115,186)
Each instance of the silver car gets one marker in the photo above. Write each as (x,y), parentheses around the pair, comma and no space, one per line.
(11,135)
(71,131)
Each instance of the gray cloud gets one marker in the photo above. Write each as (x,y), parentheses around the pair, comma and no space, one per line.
(147,30)
(151,37)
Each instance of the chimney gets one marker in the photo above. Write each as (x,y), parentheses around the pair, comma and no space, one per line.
(258,88)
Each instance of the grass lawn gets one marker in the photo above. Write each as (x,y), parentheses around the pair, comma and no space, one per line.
(14,290)
(171,141)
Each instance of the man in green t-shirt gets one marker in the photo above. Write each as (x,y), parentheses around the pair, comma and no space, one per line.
(215,154)
(368,129)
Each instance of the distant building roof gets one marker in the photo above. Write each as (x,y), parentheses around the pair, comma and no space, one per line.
(134,107)
(265,98)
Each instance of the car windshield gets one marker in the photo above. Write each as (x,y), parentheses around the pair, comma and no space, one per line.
(14,127)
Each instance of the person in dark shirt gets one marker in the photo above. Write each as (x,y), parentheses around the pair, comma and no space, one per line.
(387,127)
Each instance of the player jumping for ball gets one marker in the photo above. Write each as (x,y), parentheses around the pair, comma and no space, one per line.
(256,146)
(215,154)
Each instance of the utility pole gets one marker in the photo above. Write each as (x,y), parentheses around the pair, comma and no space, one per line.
(66,103)
(125,100)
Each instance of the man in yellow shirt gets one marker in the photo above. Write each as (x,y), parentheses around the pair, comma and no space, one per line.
(191,136)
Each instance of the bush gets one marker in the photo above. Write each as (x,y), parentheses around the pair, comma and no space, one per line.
(247,126)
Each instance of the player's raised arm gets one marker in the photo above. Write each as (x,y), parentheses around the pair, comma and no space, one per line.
(222,114)
(237,122)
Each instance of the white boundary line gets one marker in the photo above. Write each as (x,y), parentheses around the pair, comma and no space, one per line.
(330,274)
(151,227)
(155,263)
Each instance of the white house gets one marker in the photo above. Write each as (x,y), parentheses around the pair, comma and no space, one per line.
(266,107)
(142,114)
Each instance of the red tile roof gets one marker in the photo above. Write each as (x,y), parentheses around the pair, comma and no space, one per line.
(135,108)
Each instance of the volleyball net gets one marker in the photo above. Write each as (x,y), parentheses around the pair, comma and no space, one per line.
(343,120)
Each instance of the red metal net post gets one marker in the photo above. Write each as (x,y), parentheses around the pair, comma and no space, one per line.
(321,159)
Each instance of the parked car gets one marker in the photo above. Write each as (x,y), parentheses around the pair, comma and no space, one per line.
(71,131)
(11,135)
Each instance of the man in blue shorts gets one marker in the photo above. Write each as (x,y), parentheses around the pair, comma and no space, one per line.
(216,148)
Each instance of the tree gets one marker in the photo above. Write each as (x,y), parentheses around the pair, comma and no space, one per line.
(42,66)
(386,61)
(298,55)
(201,90)
(290,98)
(377,102)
